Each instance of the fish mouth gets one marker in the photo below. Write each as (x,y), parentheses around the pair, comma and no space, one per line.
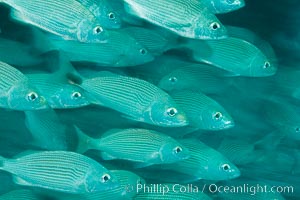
(235,173)
(228,124)
(241,4)
(43,103)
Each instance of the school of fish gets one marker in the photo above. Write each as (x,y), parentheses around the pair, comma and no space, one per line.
(149,99)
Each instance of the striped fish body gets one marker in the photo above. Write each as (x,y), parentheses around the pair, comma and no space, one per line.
(60,171)
(209,79)
(120,50)
(238,152)
(186,18)
(233,54)
(10,76)
(138,99)
(68,19)
(141,145)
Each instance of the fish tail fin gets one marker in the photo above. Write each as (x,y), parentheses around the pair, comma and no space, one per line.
(40,41)
(2,159)
(61,68)
(84,141)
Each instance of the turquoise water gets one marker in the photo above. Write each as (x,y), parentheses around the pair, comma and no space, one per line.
(212,130)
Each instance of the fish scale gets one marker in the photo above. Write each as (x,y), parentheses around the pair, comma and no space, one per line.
(110,91)
(10,76)
(40,7)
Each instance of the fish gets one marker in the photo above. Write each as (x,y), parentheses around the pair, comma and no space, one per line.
(209,79)
(202,111)
(235,55)
(204,163)
(68,19)
(120,51)
(63,171)
(282,117)
(223,6)
(16,91)
(136,99)
(128,181)
(47,130)
(169,191)
(189,19)
(58,92)
(145,147)
(155,42)
(240,152)
(104,12)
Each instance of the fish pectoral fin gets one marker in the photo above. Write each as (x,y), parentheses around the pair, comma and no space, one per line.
(141,165)
(17,15)
(132,118)
(18,180)
(130,9)
(107,156)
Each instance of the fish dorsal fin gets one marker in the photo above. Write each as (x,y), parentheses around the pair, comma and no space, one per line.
(17,15)
(110,132)
(10,76)
(138,165)
(106,156)
(18,180)
(130,9)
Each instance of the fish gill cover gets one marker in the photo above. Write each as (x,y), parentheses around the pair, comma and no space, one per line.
(149,99)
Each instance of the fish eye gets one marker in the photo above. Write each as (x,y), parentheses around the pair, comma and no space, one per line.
(32,96)
(225,167)
(143,51)
(105,178)
(76,95)
(267,65)
(172,112)
(111,15)
(215,26)
(218,115)
(177,149)
(98,30)
(173,79)
(297,129)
